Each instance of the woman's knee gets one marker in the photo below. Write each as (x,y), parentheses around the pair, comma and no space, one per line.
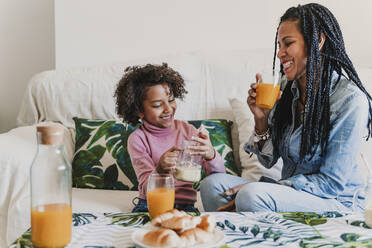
(211,181)
(254,197)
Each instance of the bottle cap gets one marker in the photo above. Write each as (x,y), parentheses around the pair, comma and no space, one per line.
(50,134)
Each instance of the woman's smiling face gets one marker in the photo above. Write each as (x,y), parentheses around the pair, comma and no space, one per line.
(292,51)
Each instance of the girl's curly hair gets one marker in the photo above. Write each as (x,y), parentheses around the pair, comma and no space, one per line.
(132,87)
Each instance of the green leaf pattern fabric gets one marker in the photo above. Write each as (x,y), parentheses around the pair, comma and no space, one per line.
(244,229)
(101,159)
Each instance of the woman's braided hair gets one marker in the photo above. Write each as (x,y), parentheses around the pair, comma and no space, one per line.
(314,20)
(132,87)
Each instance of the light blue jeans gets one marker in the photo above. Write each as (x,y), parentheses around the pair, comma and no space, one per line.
(261,196)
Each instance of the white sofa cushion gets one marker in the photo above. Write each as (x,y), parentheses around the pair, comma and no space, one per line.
(251,168)
(105,201)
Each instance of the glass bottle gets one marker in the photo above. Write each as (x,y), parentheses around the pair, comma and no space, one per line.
(51,213)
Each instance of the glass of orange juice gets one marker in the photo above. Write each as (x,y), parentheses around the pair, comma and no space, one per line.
(268,87)
(160,193)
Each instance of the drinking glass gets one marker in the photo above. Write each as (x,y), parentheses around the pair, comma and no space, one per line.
(268,88)
(188,166)
(160,193)
(366,193)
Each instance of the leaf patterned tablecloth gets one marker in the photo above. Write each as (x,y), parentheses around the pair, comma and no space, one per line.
(245,229)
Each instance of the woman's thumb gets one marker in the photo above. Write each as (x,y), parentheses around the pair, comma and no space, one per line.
(258,78)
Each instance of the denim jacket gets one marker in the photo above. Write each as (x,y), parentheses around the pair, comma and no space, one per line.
(336,174)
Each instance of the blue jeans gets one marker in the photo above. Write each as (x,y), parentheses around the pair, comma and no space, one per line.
(262,196)
(141,206)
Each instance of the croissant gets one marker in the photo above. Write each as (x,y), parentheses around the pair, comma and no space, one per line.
(194,236)
(180,224)
(163,238)
(208,223)
(167,215)
(179,229)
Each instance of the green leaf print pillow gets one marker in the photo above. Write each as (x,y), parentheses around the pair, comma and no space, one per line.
(101,159)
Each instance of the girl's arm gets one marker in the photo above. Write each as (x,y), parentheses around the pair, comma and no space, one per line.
(216,165)
(143,164)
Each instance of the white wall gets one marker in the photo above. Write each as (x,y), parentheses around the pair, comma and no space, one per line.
(99,31)
(26,47)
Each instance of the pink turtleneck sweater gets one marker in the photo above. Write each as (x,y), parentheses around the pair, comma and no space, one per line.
(148,143)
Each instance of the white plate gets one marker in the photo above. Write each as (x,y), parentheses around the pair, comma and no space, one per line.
(137,238)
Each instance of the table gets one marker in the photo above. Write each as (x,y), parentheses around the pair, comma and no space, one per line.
(244,229)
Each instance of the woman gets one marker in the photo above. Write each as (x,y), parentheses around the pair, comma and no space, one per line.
(316,126)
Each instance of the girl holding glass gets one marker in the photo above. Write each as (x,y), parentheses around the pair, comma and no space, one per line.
(147,95)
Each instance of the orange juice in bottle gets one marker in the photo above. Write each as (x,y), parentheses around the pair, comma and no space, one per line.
(51,214)
(160,200)
(51,225)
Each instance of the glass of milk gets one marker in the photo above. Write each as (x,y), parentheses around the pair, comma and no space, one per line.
(365,193)
(188,166)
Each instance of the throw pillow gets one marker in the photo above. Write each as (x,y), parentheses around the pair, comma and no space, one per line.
(101,159)
(252,169)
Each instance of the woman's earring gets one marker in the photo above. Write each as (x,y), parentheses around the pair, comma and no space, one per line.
(140,121)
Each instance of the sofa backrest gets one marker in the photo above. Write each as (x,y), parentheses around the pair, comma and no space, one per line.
(211,78)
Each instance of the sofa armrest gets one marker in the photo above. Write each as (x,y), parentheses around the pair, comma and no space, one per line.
(18,147)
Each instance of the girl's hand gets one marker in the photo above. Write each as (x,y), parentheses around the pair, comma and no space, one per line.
(231,192)
(168,160)
(204,147)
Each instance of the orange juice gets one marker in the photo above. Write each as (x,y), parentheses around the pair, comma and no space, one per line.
(160,200)
(51,225)
(266,95)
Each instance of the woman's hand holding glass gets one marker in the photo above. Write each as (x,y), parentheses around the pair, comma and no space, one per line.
(261,114)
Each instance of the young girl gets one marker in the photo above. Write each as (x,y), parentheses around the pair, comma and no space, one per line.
(146,95)
(316,126)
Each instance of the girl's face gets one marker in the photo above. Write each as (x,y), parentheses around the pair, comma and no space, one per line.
(159,106)
(292,51)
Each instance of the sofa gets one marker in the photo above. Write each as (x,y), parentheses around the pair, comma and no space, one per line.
(217,84)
